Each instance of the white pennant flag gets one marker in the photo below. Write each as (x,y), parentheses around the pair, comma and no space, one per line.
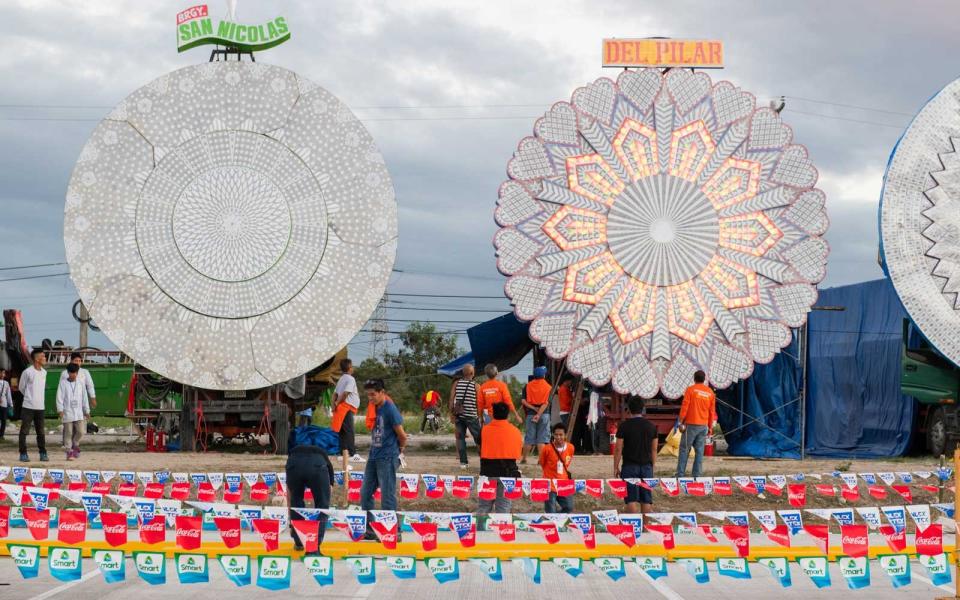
(75,475)
(664,518)
(279,513)
(108,475)
(201,506)
(714,514)
(73,497)
(37,475)
(180,477)
(707,484)
(170,509)
(252,478)
(767,518)
(387,517)
(15,492)
(4,472)
(920,514)
(870,515)
(778,480)
(849,480)
(215,479)
(124,502)
(817,476)
(823,513)
(887,478)
(923,474)
(145,477)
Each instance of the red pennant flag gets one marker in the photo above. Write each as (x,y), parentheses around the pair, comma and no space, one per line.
(188,531)
(778,535)
(469,539)
(748,488)
(618,487)
(236,496)
(309,532)
(931,488)
(72,526)
(353,490)
(506,531)
(411,489)
(462,488)
(850,493)
(4,520)
(540,490)
(696,488)
(436,491)
(77,486)
(903,490)
(388,537)
(307,495)
(259,492)
(53,487)
(896,540)
(565,487)
(722,487)
(114,528)
(269,530)
(877,491)
(664,531)
(127,489)
(797,493)
(427,533)
(180,490)
(38,522)
(854,540)
(488,489)
(155,531)
(549,530)
(594,487)
(820,535)
(773,489)
(826,490)
(929,541)
(101,487)
(624,532)
(588,537)
(514,493)
(670,486)
(154,490)
(229,528)
(205,492)
(740,536)
(707,532)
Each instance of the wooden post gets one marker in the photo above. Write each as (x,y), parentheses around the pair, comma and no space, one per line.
(575,409)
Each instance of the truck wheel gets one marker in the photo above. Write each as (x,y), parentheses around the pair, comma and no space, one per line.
(281,426)
(187,432)
(937,432)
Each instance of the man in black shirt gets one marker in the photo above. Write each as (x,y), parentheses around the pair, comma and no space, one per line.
(634,455)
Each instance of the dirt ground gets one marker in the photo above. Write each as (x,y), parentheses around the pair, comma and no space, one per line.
(433,457)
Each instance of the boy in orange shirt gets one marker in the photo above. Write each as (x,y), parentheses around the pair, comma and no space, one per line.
(698,413)
(555,460)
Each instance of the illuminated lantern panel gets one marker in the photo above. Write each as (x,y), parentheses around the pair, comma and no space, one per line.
(920,218)
(681,221)
(212,213)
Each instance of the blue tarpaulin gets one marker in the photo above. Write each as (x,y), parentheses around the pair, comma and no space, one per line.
(503,341)
(854,406)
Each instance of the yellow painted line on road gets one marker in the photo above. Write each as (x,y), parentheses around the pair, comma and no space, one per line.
(339,549)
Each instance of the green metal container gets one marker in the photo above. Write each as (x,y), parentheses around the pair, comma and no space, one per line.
(112,383)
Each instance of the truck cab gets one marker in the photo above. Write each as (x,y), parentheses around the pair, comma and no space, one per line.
(934,382)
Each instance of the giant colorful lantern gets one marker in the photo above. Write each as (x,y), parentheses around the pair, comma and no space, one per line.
(660,224)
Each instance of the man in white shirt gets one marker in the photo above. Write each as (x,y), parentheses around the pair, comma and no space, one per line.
(73,407)
(32,384)
(83,376)
(346,403)
(6,402)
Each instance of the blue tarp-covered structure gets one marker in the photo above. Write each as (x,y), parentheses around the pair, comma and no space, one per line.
(503,341)
(854,406)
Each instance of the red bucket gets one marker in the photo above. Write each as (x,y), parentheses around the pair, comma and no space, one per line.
(708,447)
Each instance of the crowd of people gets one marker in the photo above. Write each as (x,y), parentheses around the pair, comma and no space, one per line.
(484,412)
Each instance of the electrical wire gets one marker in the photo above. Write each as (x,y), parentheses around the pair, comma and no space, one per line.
(828,103)
(55,264)
(810,114)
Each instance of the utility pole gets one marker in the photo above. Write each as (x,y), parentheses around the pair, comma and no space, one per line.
(378,325)
(84,325)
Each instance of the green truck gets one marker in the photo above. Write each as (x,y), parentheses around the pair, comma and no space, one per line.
(935,384)
(111,381)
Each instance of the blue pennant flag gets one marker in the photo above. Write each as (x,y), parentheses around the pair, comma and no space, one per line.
(26,558)
(844,516)
(856,570)
(937,568)
(321,567)
(697,568)
(64,563)
(111,564)
(654,566)
(236,567)
(274,572)
(162,476)
(897,567)
(92,503)
(736,568)
(192,568)
(531,568)
(403,567)
(572,566)
(612,566)
(490,566)
(363,569)
(19,474)
(93,477)
(152,567)
(444,569)
(779,568)
(816,568)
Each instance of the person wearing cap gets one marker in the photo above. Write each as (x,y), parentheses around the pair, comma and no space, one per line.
(493,391)
(387,441)
(500,446)
(428,402)
(536,405)
(309,468)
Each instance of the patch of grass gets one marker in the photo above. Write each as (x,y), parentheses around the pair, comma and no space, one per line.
(411,423)
(842,467)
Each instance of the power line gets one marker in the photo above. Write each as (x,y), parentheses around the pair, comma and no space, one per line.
(33,277)
(467,310)
(443,296)
(879,110)
(56,264)
(810,114)
(437,274)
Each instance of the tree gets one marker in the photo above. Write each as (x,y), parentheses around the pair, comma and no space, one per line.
(413,367)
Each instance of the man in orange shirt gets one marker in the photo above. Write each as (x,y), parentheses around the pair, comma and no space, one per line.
(500,446)
(493,391)
(698,413)
(565,400)
(536,406)
(555,460)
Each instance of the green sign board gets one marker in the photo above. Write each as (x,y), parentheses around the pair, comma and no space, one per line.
(195,28)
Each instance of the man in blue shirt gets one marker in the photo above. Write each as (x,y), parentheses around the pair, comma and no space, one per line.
(388,440)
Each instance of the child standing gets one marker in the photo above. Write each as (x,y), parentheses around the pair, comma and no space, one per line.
(73,406)
(555,460)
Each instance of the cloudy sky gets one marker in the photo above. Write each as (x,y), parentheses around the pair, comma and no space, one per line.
(447,90)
